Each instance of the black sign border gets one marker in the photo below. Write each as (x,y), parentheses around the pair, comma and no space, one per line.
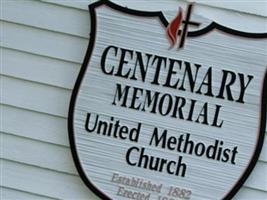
(210,27)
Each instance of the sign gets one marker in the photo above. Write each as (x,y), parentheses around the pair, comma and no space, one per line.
(167,111)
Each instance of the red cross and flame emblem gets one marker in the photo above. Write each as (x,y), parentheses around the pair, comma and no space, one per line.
(173,29)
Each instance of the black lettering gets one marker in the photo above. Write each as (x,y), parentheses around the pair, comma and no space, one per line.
(123,62)
(191,79)
(227,86)
(159,60)
(243,87)
(104,57)
(207,81)
(155,138)
(121,94)
(171,72)
(139,62)
(128,156)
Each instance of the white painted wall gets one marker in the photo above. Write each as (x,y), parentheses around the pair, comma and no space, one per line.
(42,47)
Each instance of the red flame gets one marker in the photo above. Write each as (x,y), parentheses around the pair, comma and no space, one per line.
(173,28)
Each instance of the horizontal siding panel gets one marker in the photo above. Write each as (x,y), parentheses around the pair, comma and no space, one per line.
(44,182)
(47,128)
(250,194)
(255,8)
(42,69)
(65,186)
(76,22)
(226,17)
(81,5)
(33,96)
(45,155)
(43,42)
(263,155)
(47,16)
(59,158)
(35,125)
(11,194)
(251,7)
(258,178)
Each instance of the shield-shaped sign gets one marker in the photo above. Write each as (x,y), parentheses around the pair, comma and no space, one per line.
(163,111)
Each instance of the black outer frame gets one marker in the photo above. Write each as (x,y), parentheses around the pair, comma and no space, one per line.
(205,30)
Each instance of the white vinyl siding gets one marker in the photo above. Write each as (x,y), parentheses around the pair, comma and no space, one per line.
(43,43)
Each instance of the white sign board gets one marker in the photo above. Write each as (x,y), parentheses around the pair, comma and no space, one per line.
(162,112)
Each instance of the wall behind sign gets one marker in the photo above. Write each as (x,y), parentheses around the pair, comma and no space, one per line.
(42,47)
